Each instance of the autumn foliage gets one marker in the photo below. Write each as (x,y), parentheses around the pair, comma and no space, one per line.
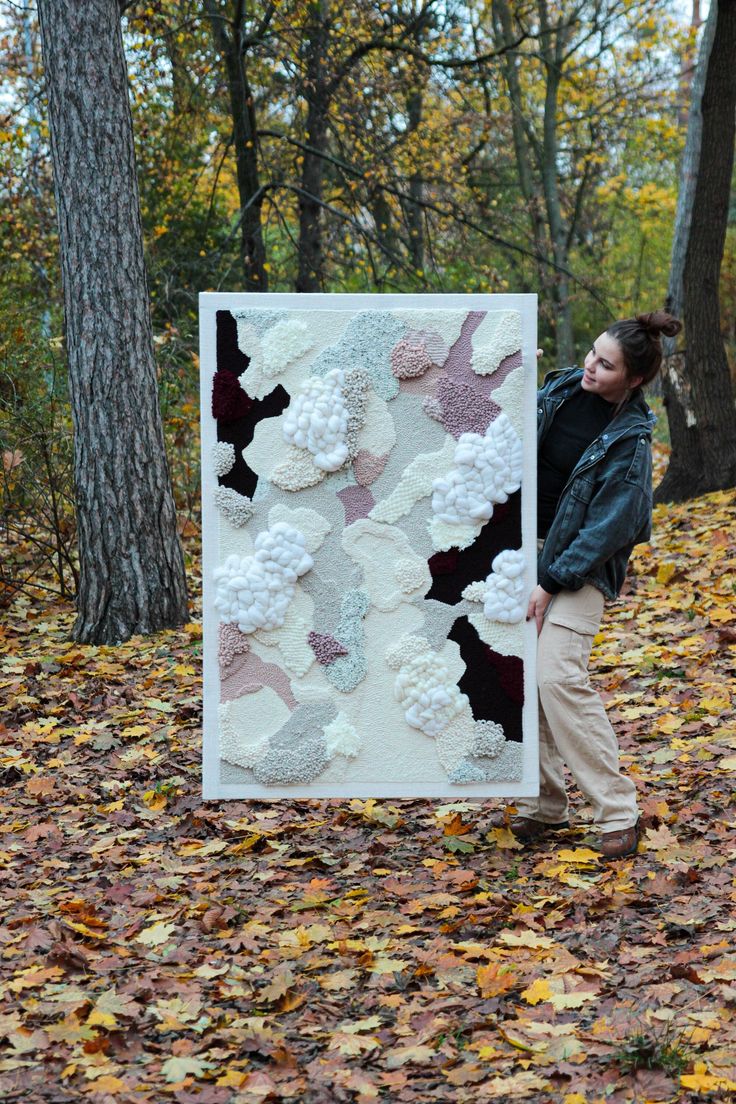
(158,948)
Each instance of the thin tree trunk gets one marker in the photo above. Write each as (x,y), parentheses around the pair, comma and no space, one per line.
(131,565)
(412,207)
(229,42)
(310,274)
(522,151)
(697,388)
(552,51)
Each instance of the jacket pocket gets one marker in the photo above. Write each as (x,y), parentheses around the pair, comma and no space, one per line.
(582,489)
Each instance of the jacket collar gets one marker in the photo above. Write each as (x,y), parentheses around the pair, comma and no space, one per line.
(634,417)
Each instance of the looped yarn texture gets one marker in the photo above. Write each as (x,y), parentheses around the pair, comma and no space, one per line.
(504,588)
(318,420)
(254,591)
(486,471)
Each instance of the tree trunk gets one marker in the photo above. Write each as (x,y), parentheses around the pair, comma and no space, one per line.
(522,146)
(552,52)
(245,139)
(131,565)
(413,212)
(698,393)
(310,275)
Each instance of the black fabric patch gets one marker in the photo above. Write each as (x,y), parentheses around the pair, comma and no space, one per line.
(482,684)
(229,356)
(239,430)
(474,563)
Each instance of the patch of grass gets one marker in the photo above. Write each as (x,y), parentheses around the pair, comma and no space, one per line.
(646,1050)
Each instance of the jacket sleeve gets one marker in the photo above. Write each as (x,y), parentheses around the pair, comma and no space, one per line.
(617,517)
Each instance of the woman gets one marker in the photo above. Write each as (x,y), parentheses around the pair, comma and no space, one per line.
(594,505)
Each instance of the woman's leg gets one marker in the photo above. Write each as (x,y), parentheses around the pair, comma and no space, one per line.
(574,712)
(551,805)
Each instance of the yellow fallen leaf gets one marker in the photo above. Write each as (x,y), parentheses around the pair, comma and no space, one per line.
(538,991)
(669,723)
(579,855)
(101,1019)
(505,839)
(232,1079)
(665,571)
(155,801)
(728,764)
(702,1081)
(157,934)
(560,1001)
(574,1098)
(135,730)
(106,1083)
(526,938)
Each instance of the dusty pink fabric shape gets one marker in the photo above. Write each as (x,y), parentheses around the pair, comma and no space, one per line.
(461,409)
(325,647)
(357,502)
(232,642)
(367,467)
(458,365)
(508,365)
(248,673)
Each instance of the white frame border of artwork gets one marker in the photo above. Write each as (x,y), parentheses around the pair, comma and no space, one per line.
(209,303)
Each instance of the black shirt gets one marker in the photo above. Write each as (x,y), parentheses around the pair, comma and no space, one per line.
(579,420)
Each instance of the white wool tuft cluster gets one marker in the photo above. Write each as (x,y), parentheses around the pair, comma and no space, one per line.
(341,737)
(504,587)
(424,687)
(223,457)
(254,592)
(486,471)
(318,420)
(282,344)
(489,739)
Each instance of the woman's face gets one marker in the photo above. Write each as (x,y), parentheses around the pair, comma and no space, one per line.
(604,373)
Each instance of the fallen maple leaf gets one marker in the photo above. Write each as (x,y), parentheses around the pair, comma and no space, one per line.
(538,991)
(157,934)
(659,839)
(176,1069)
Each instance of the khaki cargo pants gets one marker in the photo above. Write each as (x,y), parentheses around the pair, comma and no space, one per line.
(573,726)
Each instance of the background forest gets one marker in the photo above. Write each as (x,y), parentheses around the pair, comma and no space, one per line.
(404,146)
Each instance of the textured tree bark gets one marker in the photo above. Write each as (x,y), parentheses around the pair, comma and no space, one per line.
(697,387)
(230,43)
(310,274)
(131,565)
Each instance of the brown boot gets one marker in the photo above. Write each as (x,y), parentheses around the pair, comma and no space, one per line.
(526,829)
(617,845)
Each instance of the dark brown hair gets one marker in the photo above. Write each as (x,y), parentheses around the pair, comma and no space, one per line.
(640,339)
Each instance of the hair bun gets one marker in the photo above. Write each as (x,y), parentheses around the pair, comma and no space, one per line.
(659,322)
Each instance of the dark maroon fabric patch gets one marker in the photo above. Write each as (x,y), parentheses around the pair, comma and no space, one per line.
(474,563)
(481,683)
(442,563)
(229,400)
(228,397)
(510,671)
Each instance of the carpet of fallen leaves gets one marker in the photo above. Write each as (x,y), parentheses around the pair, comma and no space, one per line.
(159,948)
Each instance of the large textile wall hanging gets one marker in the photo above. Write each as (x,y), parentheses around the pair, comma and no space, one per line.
(368,481)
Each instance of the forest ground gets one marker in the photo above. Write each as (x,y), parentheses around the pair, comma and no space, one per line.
(160,948)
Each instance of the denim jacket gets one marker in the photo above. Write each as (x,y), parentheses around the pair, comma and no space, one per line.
(606,506)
